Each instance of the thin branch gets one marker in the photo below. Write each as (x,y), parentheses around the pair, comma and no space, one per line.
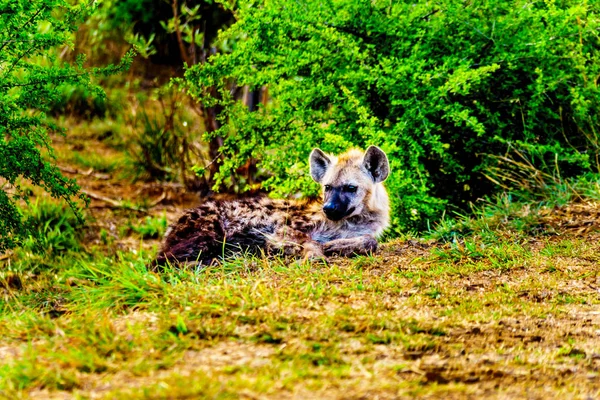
(26,23)
(184,54)
(17,61)
(38,82)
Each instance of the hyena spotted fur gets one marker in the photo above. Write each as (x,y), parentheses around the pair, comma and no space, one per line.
(353,212)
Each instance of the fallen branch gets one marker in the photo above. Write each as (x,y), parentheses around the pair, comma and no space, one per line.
(161,198)
(112,202)
(89,172)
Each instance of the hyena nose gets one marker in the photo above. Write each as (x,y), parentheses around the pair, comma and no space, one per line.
(332,212)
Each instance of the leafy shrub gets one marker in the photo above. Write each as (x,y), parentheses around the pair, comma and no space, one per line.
(158,149)
(30,77)
(438,85)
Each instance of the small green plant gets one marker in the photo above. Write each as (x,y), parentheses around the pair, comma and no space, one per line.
(167,148)
(151,227)
(434,293)
(460,250)
(54,228)
(157,149)
(569,350)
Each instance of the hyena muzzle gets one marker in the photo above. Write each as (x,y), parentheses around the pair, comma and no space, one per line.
(353,212)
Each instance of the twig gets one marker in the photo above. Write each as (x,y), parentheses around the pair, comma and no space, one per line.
(89,172)
(184,54)
(161,198)
(112,202)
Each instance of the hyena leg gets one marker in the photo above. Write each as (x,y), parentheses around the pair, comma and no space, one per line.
(293,243)
(360,245)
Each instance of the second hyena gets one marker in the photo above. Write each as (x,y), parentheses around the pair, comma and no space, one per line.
(353,212)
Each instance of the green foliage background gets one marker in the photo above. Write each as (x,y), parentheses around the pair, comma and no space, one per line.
(439,86)
(30,80)
(448,89)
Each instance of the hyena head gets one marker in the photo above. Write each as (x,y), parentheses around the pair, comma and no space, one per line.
(352,182)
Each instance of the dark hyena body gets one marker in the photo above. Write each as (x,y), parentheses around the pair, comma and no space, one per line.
(354,211)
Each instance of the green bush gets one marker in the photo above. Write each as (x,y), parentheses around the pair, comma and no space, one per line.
(30,78)
(440,86)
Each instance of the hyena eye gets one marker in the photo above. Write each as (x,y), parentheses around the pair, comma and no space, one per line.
(350,188)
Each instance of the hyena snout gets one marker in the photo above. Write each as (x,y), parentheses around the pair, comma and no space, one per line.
(335,211)
(339,201)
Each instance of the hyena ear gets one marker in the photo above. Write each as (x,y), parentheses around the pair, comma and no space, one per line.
(377,164)
(319,163)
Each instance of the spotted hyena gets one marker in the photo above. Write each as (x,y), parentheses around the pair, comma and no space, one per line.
(353,212)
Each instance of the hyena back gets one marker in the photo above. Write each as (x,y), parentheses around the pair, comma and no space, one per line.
(353,212)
